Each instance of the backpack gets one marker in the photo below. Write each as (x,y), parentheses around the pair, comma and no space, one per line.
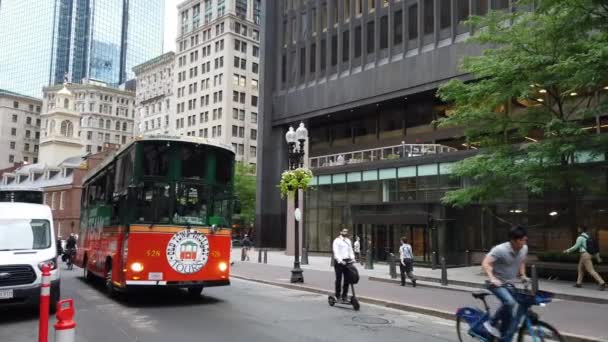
(592,247)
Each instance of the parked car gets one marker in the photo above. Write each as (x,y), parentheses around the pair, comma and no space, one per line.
(27,242)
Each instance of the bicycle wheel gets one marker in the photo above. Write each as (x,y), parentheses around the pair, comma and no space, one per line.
(540,331)
(462,330)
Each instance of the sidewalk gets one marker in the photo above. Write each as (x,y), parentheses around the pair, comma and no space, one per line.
(576,320)
(462,278)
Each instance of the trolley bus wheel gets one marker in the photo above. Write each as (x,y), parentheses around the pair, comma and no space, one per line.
(195,291)
(109,285)
(85,270)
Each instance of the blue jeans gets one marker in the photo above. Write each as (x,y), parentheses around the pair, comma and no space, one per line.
(506,311)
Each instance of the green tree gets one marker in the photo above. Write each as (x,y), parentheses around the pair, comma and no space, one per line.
(539,84)
(244,188)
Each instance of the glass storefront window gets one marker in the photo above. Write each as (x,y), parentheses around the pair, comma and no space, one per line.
(370,192)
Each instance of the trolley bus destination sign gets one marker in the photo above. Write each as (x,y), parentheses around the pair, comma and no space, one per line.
(188,251)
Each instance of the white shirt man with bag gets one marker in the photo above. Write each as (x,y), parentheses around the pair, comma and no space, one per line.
(343,253)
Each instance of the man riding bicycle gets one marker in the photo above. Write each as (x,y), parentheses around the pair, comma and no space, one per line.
(70,250)
(504,263)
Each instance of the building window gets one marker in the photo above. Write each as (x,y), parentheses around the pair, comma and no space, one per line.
(345,45)
(370,37)
(15,104)
(398,27)
(12,145)
(323,54)
(15,117)
(254,101)
(429,16)
(254,118)
(11,158)
(463,10)
(357,41)
(26,147)
(384,32)
(61,200)
(412,13)
(302,61)
(445,14)
(255,68)
(253,134)
(13,131)
(334,50)
(252,152)
(53,201)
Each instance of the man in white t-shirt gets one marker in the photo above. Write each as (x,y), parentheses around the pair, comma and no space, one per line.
(343,253)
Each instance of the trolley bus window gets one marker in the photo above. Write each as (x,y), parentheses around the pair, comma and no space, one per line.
(156,159)
(154,203)
(194,160)
(191,204)
(224,167)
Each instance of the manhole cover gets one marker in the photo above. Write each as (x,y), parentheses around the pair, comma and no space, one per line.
(370,320)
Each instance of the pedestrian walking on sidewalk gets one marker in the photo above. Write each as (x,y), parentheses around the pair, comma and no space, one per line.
(246,247)
(587,248)
(343,253)
(357,248)
(406,264)
(503,264)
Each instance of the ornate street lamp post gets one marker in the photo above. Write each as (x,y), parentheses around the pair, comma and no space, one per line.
(295,155)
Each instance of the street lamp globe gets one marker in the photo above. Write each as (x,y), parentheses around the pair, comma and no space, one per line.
(290,136)
(302,132)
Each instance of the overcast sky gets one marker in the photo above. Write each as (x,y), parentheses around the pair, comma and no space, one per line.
(170,24)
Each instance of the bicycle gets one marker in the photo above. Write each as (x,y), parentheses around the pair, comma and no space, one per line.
(69,256)
(529,327)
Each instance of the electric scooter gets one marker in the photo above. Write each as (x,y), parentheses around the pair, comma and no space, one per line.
(352,301)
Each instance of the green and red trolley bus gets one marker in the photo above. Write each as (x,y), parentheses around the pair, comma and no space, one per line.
(158,213)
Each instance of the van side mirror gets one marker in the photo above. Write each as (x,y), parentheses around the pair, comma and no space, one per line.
(237,206)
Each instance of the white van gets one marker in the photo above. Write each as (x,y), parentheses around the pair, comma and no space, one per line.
(27,241)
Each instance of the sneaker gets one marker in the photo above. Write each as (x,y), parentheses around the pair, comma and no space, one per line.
(402,284)
(345,300)
(491,329)
(602,287)
(578,285)
(414,283)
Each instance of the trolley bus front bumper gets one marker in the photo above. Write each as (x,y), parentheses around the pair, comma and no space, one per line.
(184,284)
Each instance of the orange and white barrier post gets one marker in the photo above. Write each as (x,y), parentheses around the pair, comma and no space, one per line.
(45,299)
(65,328)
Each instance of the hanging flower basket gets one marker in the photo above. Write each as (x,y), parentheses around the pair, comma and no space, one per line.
(293,180)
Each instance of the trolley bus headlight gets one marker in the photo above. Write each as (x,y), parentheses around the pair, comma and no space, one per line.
(137,267)
(223,266)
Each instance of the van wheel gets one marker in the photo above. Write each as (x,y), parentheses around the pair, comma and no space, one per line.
(110,290)
(55,297)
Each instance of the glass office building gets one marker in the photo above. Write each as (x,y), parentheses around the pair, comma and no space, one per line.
(44,40)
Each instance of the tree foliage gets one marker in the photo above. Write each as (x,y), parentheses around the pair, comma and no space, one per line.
(245,191)
(543,75)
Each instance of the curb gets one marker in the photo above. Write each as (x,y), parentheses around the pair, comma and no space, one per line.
(561,296)
(398,306)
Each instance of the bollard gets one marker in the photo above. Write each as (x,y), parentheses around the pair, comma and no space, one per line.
(332,261)
(467,258)
(304,256)
(433,260)
(45,298)
(243,251)
(265,256)
(534,274)
(392,268)
(259,255)
(444,273)
(65,328)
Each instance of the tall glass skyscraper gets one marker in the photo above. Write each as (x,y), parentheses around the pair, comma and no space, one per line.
(43,40)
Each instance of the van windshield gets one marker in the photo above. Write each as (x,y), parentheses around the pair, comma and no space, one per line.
(20,234)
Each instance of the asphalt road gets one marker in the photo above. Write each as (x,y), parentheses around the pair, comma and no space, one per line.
(244,311)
